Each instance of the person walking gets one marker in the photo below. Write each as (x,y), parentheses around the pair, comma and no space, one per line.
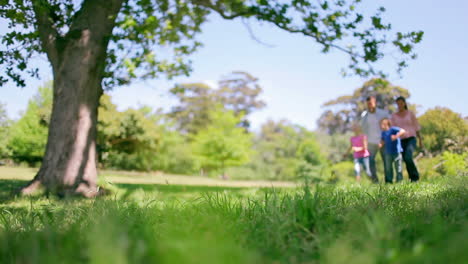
(392,149)
(406,119)
(360,153)
(370,123)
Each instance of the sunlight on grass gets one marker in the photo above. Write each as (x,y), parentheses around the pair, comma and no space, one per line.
(144,223)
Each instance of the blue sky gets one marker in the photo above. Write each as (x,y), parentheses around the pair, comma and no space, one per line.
(297,79)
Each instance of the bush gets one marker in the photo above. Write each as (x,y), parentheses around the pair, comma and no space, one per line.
(427,167)
(344,170)
(314,173)
(454,164)
(448,164)
(444,130)
(180,163)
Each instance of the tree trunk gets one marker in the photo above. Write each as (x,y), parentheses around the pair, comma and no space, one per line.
(78,61)
(69,163)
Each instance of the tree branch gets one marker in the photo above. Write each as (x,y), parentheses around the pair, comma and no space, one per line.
(47,33)
(217,8)
(98,16)
(248,13)
(318,39)
(252,35)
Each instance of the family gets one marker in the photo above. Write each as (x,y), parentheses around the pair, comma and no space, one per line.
(394,136)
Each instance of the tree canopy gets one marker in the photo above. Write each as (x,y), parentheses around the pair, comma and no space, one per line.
(29,134)
(444,130)
(282,147)
(222,143)
(4,131)
(154,37)
(342,111)
(237,91)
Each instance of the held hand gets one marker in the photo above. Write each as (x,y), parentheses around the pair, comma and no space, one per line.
(394,137)
(356,149)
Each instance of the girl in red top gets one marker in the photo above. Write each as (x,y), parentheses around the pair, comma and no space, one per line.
(360,152)
(407,120)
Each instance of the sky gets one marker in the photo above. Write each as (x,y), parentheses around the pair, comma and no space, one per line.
(296,78)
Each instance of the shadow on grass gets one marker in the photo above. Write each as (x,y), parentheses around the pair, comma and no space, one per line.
(9,188)
(176,188)
(167,189)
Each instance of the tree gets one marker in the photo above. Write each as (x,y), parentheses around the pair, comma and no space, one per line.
(29,134)
(140,139)
(237,91)
(282,147)
(196,101)
(5,124)
(444,130)
(348,108)
(222,143)
(96,44)
(335,145)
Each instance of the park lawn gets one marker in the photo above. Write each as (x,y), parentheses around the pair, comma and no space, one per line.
(118,177)
(160,223)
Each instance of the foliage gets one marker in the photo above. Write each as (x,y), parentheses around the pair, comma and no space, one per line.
(454,164)
(309,151)
(281,147)
(343,170)
(444,130)
(135,139)
(29,134)
(447,164)
(222,143)
(430,167)
(5,124)
(144,26)
(154,37)
(404,223)
(140,139)
(335,146)
(237,91)
(195,104)
(344,110)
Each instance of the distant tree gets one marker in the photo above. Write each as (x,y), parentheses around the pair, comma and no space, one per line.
(222,143)
(196,101)
(310,151)
(140,139)
(282,146)
(444,130)
(334,146)
(29,134)
(342,111)
(5,124)
(237,91)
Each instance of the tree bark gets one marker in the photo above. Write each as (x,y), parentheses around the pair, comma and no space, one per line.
(78,62)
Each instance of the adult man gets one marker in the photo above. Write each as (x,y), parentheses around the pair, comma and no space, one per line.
(370,122)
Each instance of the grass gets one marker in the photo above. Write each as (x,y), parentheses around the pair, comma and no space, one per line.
(117,177)
(141,223)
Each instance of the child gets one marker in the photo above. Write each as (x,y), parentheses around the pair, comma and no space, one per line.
(392,144)
(360,152)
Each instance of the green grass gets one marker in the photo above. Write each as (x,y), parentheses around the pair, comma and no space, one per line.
(141,223)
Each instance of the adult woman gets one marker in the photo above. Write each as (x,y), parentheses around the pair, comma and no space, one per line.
(407,120)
